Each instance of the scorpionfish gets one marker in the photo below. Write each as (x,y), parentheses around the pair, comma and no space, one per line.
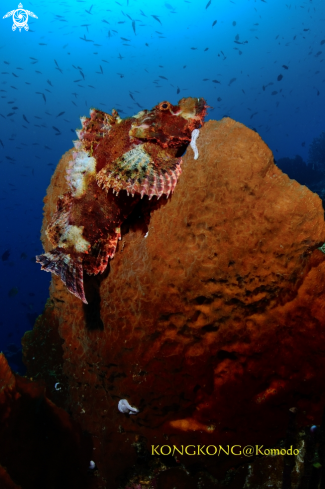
(116,162)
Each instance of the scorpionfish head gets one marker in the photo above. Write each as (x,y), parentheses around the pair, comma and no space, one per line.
(169,125)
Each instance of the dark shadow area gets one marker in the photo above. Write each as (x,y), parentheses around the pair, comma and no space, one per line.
(92,309)
(139,219)
(42,447)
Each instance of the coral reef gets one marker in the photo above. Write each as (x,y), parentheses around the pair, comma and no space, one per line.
(209,320)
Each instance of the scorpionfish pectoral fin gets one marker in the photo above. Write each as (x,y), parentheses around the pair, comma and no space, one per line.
(67,267)
(146,169)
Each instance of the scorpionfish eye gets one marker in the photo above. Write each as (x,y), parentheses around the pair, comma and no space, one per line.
(164,106)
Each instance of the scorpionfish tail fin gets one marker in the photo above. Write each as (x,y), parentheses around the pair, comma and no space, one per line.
(68,268)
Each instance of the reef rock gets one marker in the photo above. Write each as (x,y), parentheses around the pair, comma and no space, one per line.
(212,324)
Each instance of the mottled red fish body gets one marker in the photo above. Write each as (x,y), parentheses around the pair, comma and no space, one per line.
(137,156)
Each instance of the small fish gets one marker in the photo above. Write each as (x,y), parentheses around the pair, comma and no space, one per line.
(178,90)
(84,39)
(280,77)
(208,4)
(25,119)
(163,77)
(49,82)
(214,23)
(5,255)
(285,67)
(56,129)
(217,81)
(61,113)
(1,143)
(133,27)
(156,18)
(12,292)
(232,81)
